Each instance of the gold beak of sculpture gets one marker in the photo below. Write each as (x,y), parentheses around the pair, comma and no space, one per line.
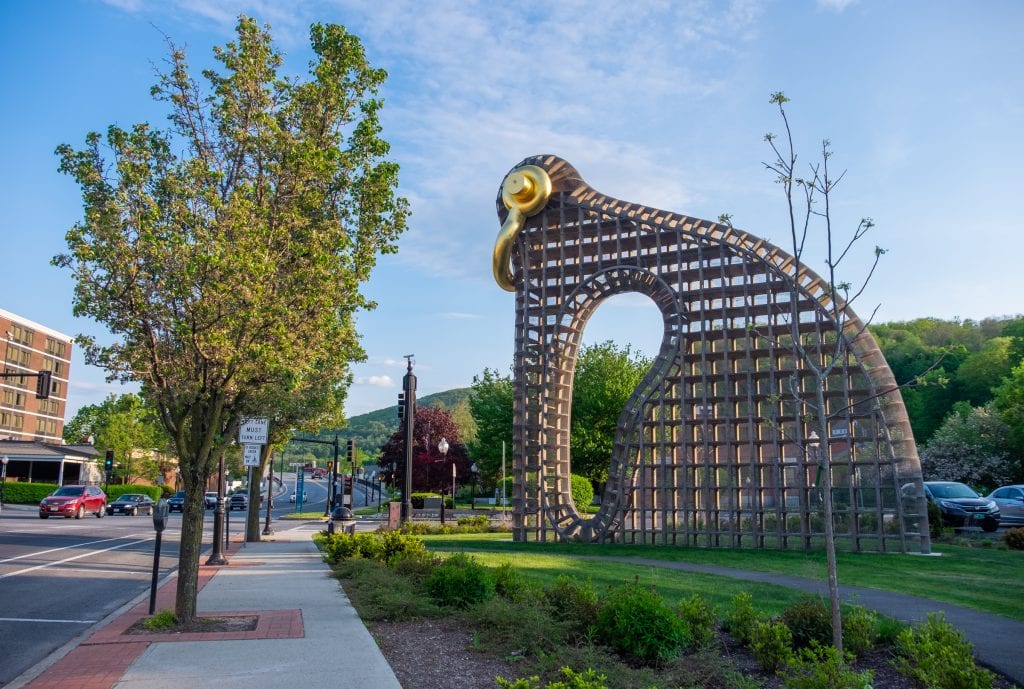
(524,192)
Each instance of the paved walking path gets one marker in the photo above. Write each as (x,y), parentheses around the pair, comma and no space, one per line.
(998,641)
(308,634)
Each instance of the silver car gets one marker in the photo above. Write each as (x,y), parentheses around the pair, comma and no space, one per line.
(1011,504)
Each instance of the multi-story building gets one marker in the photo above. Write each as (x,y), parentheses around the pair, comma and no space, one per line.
(28,347)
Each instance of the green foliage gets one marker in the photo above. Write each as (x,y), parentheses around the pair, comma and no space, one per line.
(937,656)
(508,627)
(508,582)
(822,667)
(860,627)
(700,620)
(384,547)
(741,618)
(582,492)
(162,619)
(588,679)
(772,644)
(605,378)
(934,521)
(115,491)
(380,592)
(970,447)
(1009,405)
(460,581)
(575,602)
(490,403)
(18,493)
(478,523)
(1014,538)
(810,620)
(639,624)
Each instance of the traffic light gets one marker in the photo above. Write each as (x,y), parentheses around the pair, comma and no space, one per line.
(108,461)
(401,406)
(43,385)
(351,450)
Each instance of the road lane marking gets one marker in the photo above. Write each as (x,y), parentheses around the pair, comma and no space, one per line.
(66,547)
(33,619)
(69,559)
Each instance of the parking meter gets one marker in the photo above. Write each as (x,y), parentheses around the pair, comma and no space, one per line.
(160,515)
(159,523)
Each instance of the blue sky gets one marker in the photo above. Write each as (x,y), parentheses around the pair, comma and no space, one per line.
(660,103)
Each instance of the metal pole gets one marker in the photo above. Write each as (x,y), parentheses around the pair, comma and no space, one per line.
(156,572)
(453,489)
(267,531)
(503,497)
(3,479)
(409,385)
(217,552)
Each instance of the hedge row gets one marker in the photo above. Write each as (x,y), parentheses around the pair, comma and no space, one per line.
(19,493)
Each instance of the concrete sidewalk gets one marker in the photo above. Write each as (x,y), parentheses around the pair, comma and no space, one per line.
(307,634)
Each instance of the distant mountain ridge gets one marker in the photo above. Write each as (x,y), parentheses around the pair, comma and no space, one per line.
(372,430)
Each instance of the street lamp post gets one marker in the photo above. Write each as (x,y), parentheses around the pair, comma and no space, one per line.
(453,491)
(267,531)
(442,447)
(3,478)
(475,470)
(217,551)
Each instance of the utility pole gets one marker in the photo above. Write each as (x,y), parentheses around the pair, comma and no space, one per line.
(409,402)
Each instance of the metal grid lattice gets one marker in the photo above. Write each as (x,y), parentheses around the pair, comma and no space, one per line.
(710,450)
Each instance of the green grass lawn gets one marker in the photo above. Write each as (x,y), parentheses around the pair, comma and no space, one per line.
(981,578)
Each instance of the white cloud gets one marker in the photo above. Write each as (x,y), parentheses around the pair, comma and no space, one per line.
(456,316)
(376,381)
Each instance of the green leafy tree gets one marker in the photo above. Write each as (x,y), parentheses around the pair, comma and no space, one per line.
(606,376)
(1009,405)
(226,254)
(490,402)
(969,447)
(983,371)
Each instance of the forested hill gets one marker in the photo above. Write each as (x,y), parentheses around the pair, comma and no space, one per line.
(371,430)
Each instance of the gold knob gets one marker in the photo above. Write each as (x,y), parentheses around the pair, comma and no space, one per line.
(524,192)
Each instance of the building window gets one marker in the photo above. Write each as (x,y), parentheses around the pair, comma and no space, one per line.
(20,335)
(46,427)
(20,381)
(13,398)
(56,348)
(57,367)
(16,355)
(49,407)
(11,421)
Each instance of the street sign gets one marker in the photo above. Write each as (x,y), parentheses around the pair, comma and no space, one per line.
(254,431)
(251,456)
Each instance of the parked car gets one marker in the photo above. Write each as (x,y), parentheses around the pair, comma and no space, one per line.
(1011,503)
(132,504)
(210,500)
(176,503)
(292,497)
(961,506)
(239,501)
(73,501)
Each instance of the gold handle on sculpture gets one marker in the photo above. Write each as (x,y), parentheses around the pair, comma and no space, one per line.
(524,192)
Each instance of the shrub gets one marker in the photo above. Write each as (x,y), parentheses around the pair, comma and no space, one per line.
(588,679)
(574,601)
(164,619)
(937,656)
(477,521)
(821,667)
(1014,538)
(115,491)
(859,629)
(507,627)
(383,547)
(741,618)
(772,644)
(18,493)
(809,619)
(700,620)
(582,492)
(460,581)
(637,623)
(508,582)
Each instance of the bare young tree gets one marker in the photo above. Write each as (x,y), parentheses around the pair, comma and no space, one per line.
(808,203)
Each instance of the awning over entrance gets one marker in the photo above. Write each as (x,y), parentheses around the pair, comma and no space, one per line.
(35,462)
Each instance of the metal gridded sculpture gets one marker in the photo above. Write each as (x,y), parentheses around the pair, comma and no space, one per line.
(710,449)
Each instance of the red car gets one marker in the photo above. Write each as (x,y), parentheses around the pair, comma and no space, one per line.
(73,501)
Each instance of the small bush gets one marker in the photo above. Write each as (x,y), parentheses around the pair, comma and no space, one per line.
(934,520)
(772,644)
(700,620)
(809,619)
(161,620)
(588,679)
(20,493)
(821,667)
(582,492)
(639,624)
(574,601)
(937,656)
(460,581)
(477,521)
(1014,538)
(859,629)
(508,582)
(506,627)
(741,618)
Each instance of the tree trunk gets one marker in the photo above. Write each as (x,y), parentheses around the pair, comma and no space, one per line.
(825,457)
(192,516)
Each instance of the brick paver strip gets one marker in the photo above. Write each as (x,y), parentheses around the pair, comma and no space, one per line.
(100,661)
